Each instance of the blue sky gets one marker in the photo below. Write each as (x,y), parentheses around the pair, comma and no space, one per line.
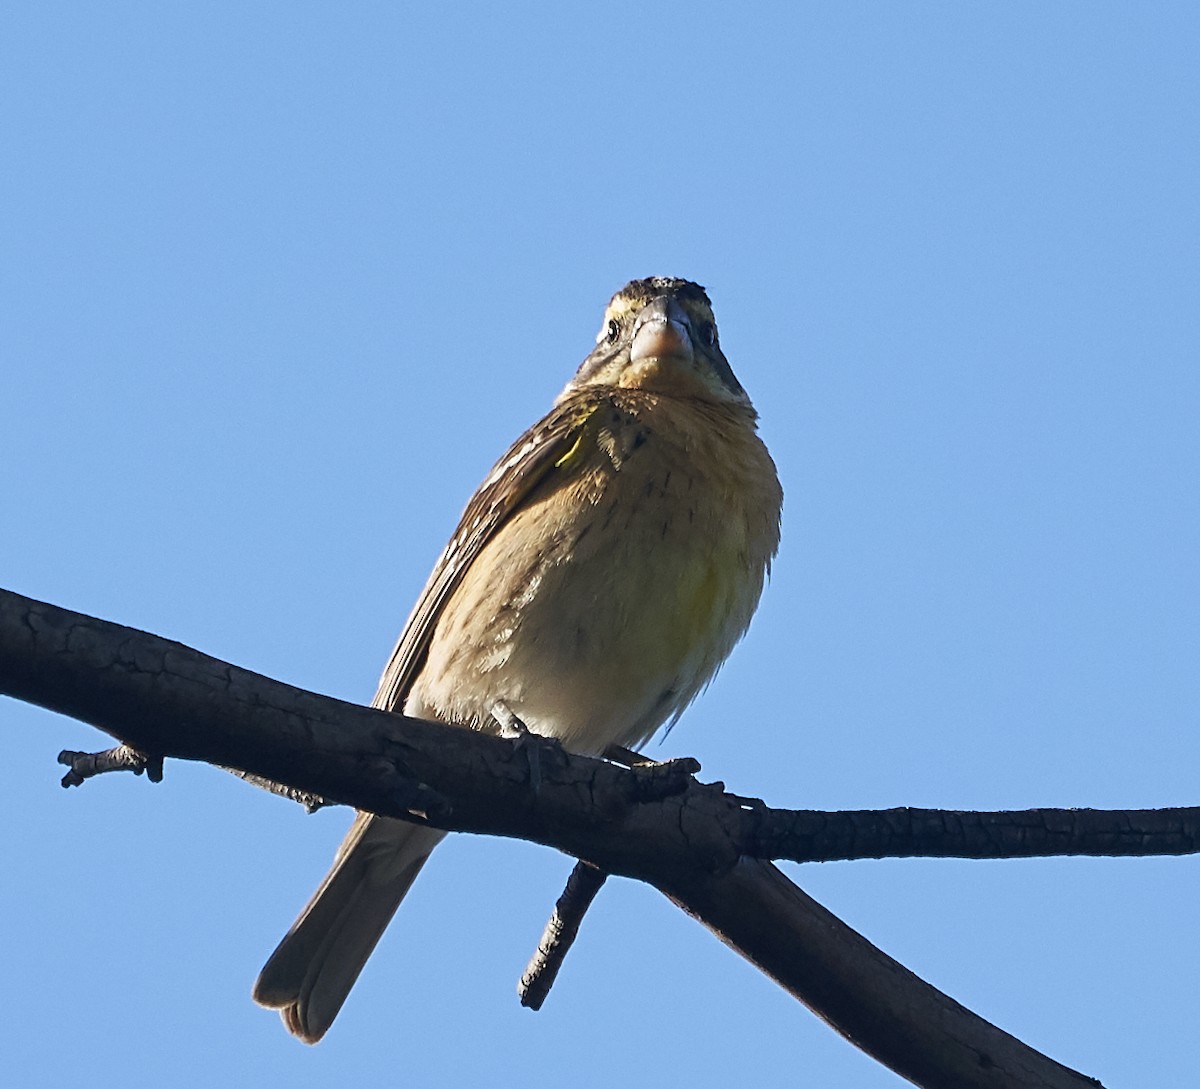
(280,281)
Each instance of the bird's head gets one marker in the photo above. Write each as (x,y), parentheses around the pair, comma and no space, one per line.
(659,334)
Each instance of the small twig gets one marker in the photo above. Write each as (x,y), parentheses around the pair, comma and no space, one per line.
(541,971)
(657,780)
(85,765)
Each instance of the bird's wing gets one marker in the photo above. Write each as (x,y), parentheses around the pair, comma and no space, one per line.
(546,455)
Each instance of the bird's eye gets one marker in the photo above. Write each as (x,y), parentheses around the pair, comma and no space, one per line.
(612,331)
(708,333)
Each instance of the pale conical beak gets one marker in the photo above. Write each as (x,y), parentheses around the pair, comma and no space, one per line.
(661,330)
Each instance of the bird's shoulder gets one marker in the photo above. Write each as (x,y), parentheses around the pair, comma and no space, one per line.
(549,453)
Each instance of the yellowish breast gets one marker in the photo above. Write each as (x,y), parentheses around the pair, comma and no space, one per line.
(605,605)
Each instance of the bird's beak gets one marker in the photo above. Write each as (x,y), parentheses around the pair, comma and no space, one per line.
(662,330)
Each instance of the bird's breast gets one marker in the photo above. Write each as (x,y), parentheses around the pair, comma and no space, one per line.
(601,608)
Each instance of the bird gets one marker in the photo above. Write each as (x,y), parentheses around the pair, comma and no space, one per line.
(598,578)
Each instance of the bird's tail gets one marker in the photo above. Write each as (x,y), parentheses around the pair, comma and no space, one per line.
(311,972)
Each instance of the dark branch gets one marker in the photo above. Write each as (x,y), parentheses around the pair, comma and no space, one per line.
(860,990)
(558,937)
(806,835)
(685,838)
(86,765)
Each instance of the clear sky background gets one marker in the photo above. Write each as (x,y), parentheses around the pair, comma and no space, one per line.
(280,281)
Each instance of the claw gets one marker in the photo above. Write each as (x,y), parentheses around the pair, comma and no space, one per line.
(627,758)
(512,728)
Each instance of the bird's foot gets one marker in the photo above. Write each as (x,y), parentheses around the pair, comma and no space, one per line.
(627,758)
(513,729)
(655,779)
